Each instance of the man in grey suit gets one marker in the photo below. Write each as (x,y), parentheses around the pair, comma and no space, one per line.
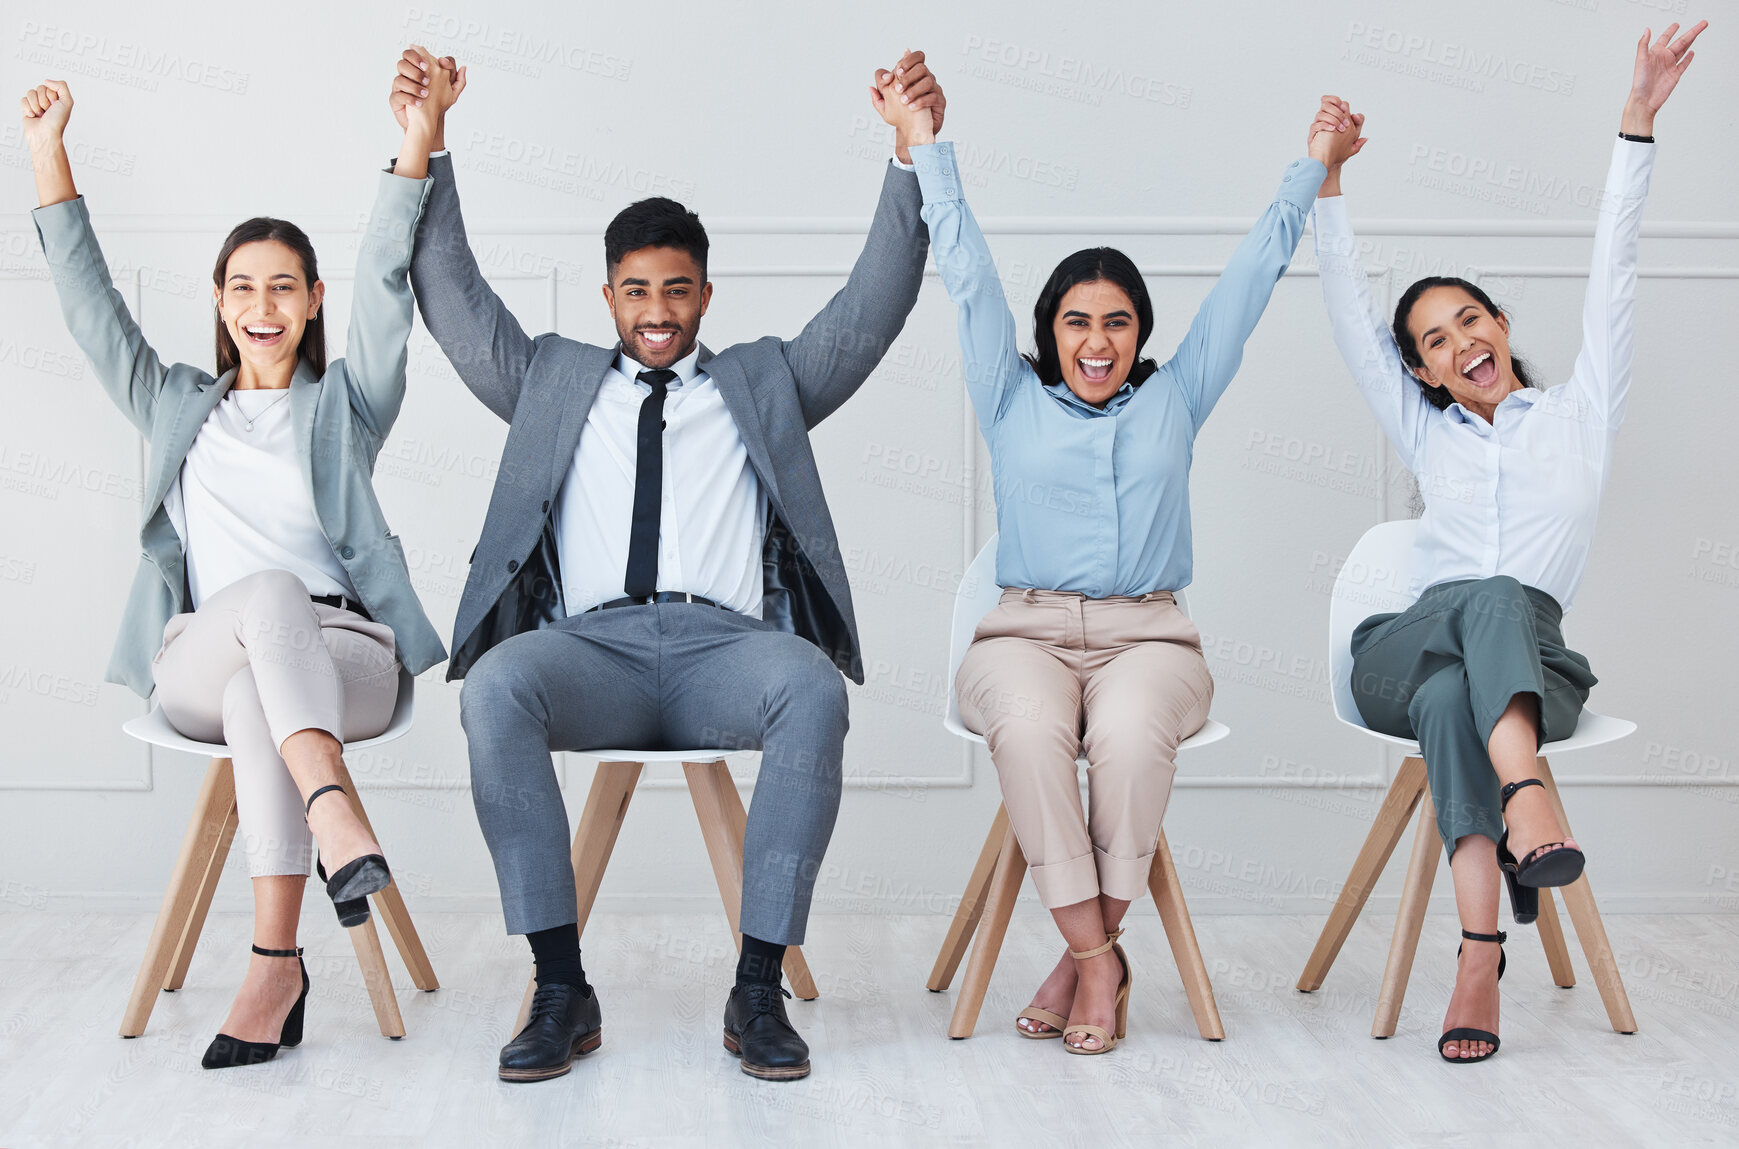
(659,569)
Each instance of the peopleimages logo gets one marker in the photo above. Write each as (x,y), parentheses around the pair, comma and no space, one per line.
(1444,61)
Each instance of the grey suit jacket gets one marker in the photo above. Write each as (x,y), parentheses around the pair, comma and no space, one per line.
(340,422)
(776,390)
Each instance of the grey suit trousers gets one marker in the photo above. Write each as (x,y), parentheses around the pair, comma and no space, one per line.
(666,675)
(1443,672)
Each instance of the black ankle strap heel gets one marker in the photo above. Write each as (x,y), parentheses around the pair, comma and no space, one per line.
(226,1052)
(1553,864)
(1464,1033)
(355,880)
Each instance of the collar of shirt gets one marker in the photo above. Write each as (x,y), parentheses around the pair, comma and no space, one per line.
(1062,392)
(1525,396)
(686,368)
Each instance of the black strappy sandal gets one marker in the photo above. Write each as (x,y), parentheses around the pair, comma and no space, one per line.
(226,1052)
(355,880)
(1463,1033)
(1553,864)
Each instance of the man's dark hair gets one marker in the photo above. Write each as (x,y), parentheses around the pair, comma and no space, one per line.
(655,222)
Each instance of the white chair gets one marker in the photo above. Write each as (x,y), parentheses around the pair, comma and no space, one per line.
(201,860)
(1001,867)
(723,821)
(1374,580)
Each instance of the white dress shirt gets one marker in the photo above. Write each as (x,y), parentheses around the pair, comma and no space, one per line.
(712,520)
(1518,496)
(241,504)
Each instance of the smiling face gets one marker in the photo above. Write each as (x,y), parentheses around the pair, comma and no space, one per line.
(266,302)
(1097,339)
(657,296)
(1465,349)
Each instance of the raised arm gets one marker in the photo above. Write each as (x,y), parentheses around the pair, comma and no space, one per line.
(838,349)
(1601,376)
(1211,352)
(94,311)
(474,329)
(1361,328)
(380,313)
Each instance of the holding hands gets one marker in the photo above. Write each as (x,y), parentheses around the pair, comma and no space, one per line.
(1333,139)
(422,90)
(909,100)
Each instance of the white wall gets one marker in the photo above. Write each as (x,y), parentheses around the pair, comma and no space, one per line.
(1162,129)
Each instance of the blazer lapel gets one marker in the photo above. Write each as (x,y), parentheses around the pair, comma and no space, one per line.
(734,386)
(587,375)
(304,402)
(171,450)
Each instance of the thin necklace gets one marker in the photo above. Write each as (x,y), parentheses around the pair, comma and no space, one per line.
(249,423)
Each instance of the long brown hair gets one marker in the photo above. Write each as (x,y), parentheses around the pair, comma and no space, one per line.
(313,346)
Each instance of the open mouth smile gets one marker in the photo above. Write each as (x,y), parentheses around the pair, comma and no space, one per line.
(264,334)
(1095,370)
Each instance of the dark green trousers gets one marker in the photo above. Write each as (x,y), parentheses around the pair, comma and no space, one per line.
(1443,672)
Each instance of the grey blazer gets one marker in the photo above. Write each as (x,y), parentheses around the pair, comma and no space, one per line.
(776,390)
(340,422)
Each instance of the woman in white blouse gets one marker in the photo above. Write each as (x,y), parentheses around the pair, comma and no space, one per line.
(272,608)
(1511,477)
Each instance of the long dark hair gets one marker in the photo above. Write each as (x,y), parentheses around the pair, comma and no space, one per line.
(1439,397)
(1089,265)
(313,346)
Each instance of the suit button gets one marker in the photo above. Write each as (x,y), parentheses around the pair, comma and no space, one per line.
(346,553)
(512,565)
(546,504)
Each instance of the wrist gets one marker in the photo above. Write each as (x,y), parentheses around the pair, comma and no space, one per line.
(1330,183)
(1638,119)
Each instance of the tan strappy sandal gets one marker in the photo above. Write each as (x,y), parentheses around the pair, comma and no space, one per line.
(1034,1013)
(1107,1041)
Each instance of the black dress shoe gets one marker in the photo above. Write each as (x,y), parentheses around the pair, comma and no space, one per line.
(757,1030)
(355,880)
(565,1021)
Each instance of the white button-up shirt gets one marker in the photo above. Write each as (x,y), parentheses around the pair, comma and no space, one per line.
(1518,496)
(713,517)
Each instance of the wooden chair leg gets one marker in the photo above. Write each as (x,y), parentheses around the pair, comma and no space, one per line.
(1162,882)
(737,823)
(210,813)
(1415,895)
(971,908)
(1585,915)
(377,979)
(1386,831)
(390,905)
(201,903)
(594,840)
(1005,883)
(1552,940)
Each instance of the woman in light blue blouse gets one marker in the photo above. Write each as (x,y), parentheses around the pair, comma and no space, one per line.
(1090,447)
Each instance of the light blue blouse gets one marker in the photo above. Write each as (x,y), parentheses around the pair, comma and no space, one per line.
(1088,499)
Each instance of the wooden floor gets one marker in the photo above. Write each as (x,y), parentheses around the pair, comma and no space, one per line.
(1295,1069)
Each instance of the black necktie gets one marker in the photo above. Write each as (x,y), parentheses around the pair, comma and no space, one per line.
(642,577)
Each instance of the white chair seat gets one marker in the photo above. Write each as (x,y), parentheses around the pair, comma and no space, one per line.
(1375,579)
(155,727)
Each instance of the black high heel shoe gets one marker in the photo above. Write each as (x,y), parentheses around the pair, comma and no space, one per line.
(1553,864)
(355,880)
(1463,1033)
(226,1052)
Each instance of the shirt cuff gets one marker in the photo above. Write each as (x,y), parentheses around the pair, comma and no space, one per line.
(442,152)
(903,167)
(1632,163)
(1303,179)
(1332,228)
(938,174)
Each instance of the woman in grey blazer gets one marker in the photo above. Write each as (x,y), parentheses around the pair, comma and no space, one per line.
(272,608)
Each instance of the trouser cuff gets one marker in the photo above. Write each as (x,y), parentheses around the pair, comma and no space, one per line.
(1122,878)
(1067,882)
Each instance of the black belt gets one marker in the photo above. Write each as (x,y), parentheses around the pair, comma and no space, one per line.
(341,603)
(661,596)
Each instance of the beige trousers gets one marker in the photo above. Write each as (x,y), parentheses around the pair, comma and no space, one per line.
(257,662)
(1053,674)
